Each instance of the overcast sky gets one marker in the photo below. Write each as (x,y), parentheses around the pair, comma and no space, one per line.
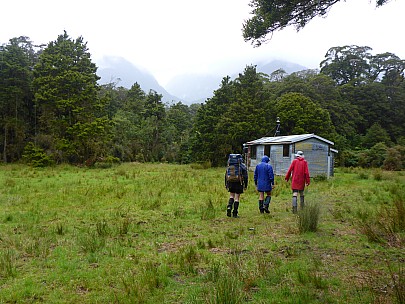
(174,37)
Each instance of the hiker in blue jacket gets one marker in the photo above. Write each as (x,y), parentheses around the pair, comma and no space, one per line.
(264,181)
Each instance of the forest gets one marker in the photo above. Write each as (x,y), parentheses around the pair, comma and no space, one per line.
(54,111)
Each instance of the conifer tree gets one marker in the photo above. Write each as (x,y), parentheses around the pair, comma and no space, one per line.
(16,100)
(72,118)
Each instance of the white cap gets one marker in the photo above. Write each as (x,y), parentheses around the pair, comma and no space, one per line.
(299,154)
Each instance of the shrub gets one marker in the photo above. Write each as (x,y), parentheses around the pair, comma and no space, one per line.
(349,158)
(395,159)
(377,155)
(36,156)
(106,162)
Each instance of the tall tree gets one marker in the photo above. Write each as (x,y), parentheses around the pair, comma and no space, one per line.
(272,15)
(179,121)
(16,100)
(388,68)
(71,115)
(204,139)
(235,114)
(299,115)
(348,64)
(153,126)
(127,143)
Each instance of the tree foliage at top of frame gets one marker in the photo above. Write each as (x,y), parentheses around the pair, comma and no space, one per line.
(272,15)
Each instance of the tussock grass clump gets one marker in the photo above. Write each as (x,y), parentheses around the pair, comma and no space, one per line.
(60,229)
(320,178)
(386,223)
(227,289)
(140,286)
(208,211)
(378,175)
(386,226)
(187,259)
(201,165)
(91,242)
(102,228)
(308,218)
(8,263)
(398,280)
(9,183)
(124,226)
(363,175)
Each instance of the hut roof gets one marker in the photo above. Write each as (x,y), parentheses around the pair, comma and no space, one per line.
(285,139)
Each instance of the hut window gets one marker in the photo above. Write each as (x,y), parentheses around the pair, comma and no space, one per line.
(253,152)
(286,150)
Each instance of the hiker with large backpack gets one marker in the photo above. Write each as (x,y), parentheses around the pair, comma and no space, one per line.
(264,181)
(236,180)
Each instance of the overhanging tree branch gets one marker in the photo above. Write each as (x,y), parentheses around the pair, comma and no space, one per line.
(272,15)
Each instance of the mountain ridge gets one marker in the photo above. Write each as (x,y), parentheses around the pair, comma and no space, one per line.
(187,88)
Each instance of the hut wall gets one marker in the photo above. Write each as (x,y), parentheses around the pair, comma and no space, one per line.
(317,155)
(278,161)
(256,158)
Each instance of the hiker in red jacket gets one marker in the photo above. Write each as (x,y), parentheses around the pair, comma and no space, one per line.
(299,174)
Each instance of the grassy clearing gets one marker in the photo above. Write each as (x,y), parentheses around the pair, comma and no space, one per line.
(148,233)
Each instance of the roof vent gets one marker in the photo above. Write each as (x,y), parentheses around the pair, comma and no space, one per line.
(277,133)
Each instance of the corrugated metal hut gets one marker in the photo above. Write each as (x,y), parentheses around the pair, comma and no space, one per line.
(318,152)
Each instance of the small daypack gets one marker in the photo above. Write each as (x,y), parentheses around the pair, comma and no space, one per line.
(234,168)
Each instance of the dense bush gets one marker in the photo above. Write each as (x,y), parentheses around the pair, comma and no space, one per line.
(36,156)
(378,156)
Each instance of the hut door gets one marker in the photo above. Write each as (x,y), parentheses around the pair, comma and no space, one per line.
(267,150)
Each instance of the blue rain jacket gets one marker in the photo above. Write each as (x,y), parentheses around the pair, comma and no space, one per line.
(264,176)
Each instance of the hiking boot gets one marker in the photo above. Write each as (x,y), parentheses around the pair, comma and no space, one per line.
(302,202)
(267,204)
(261,206)
(294,210)
(229,207)
(235,210)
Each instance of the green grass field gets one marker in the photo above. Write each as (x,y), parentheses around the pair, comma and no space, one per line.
(158,233)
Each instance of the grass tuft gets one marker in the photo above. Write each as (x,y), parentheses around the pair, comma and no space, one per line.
(227,289)
(8,263)
(91,242)
(308,218)
(398,281)
(208,212)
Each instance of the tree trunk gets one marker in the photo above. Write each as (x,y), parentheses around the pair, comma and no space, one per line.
(5,145)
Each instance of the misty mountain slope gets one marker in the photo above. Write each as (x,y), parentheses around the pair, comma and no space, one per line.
(199,87)
(194,87)
(275,65)
(187,88)
(118,69)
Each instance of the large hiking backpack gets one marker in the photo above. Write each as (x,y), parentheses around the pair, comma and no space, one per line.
(234,168)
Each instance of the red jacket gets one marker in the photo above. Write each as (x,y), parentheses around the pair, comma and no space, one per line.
(299,172)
